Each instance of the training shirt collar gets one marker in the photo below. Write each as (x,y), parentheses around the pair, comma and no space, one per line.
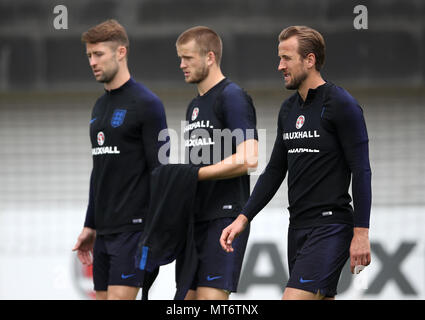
(311,94)
(212,89)
(126,85)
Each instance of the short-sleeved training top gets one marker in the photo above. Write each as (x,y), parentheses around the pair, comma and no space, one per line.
(217,122)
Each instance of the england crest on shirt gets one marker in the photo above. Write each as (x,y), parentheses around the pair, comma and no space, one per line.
(195,113)
(300,122)
(118,117)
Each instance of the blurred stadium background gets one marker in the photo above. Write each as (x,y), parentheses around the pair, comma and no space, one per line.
(47,92)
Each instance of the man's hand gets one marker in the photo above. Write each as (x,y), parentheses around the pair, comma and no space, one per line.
(360,248)
(84,246)
(232,231)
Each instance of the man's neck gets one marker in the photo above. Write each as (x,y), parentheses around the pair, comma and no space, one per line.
(122,76)
(311,82)
(214,77)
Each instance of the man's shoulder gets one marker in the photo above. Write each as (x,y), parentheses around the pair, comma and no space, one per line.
(232,89)
(235,96)
(338,95)
(142,94)
(229,86)
(340,104)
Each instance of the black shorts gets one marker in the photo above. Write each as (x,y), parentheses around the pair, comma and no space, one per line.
(316,257)
(217,268)
(114,261)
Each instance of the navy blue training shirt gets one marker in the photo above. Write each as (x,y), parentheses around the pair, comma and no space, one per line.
(124,130)
(218,121)
(321,143)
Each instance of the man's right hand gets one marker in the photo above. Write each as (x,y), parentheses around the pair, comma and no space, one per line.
(233,231)
(84,246)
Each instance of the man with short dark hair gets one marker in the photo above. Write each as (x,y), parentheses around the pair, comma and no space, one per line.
(321,143)
(223,189)
(124,128)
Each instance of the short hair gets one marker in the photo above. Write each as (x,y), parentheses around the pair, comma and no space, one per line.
(109,30)
(309,41)
(206,39)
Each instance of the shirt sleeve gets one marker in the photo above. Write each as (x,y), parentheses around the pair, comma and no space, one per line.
(156,141)
(90,220)
(347,119)
(270,180)
(239,112)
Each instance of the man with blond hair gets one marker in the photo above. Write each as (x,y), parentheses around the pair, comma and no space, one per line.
(224,159)
(124,128)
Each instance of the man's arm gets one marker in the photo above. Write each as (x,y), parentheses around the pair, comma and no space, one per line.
(352,133)
(238,164)
(90,219)
(85,241)
(239,114)
(265,188)
(154,121)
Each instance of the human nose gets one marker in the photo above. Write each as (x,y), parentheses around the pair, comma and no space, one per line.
(182,64)
(282,65)
(92,61)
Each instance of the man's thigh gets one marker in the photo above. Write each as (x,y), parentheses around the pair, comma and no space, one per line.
(218,269)
(114,261)
(316,257)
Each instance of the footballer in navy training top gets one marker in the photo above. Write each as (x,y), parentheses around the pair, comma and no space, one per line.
(124,128)
(321,146)
(224,184)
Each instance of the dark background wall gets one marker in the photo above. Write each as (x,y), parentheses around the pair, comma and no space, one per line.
(391,52)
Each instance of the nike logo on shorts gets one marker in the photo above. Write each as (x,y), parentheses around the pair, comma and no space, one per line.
(305,281)
(209,278)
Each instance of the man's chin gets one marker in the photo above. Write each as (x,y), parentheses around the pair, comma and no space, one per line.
(103,80)
(291,86)
(105,77)
(193,81)
(100,79)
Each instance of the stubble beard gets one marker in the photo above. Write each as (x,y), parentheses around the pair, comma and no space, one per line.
(296,82)
(200,74)
(108,75)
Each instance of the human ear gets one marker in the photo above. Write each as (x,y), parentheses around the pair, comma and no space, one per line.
(122,52)
(310,60)
(210,58)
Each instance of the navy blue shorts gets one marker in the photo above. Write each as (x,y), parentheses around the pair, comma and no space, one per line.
(316,257)
(114,261)
(217,268)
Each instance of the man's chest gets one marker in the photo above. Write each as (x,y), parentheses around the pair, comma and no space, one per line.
(304,131)
(114,122)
